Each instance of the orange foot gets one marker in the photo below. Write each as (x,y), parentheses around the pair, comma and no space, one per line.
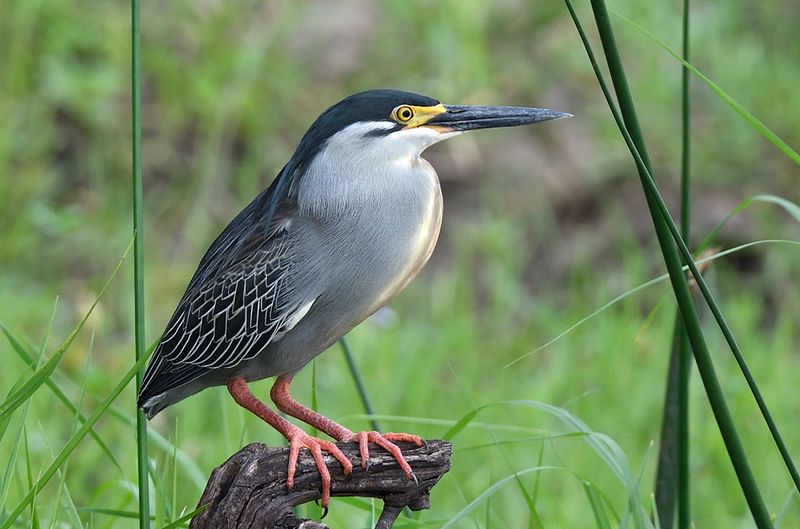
(299,439)
(385,441)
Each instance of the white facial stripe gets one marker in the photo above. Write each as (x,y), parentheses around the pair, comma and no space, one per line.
(399,144)
(424,134)
(363,128)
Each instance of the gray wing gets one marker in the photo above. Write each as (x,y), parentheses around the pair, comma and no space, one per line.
(241,299)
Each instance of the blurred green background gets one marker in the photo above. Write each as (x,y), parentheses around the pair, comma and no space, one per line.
(542,226)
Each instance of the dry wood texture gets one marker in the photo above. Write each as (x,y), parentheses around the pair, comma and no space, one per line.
(249,491)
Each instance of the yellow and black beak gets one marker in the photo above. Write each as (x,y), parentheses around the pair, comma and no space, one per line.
(460,118)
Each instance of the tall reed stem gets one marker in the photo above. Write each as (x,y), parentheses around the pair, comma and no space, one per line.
(138,256)
(355,372)
(631,132)
(684,347)
(672,478)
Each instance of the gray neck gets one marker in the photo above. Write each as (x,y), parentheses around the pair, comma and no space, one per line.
(355,175)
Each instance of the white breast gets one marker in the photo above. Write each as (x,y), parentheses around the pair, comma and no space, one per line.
(381,204)
(424,240)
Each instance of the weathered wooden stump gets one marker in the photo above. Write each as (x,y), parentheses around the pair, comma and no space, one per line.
(249,491)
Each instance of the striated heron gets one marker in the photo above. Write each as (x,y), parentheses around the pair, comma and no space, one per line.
(347,223)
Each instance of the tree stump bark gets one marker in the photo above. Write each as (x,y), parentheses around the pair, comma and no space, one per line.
(249,491)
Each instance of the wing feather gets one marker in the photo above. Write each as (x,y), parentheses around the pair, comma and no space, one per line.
(239,300)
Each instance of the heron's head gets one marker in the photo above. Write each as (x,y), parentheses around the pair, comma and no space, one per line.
(393,123)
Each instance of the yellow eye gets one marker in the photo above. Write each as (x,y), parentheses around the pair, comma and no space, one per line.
(403,113)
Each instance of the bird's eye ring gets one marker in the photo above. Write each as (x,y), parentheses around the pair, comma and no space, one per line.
(403,113)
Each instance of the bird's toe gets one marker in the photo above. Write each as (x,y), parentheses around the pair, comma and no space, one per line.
(315,446)
(385,441)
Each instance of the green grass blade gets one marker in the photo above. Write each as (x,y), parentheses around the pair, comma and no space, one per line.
(158,480)
(488,517)
(138,252)
(20,349)
(174,460)
(486,494)
(34,366)
(462,423)
(656,514)
(640,475)
(521,440)
(63,491)
(672,478)
(667,470)
(181,522)
(685,132)
(683,485)
(360,386)
(664,228)
(683,350)
(605,447)
(73,442)
(119,513)
(790,207)
(22,395)
(753,121)
(448,422)
(590,316)
(534,521)
(14,389)
(29,473)
(196,476)
(11,462)
(793,494)
(358,503)
(726,331)
(640,287)
(655,201)
(596,504)
(314,405)
(76,522)
(532,511)
(41,375)
(666,231)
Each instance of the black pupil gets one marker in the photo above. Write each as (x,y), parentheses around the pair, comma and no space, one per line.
(405,113)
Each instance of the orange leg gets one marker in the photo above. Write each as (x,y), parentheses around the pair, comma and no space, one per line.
(283,400)
(297,438)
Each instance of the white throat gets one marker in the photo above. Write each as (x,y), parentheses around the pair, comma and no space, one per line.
(355,167)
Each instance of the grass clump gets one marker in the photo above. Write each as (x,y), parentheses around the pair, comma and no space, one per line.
(542,228)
